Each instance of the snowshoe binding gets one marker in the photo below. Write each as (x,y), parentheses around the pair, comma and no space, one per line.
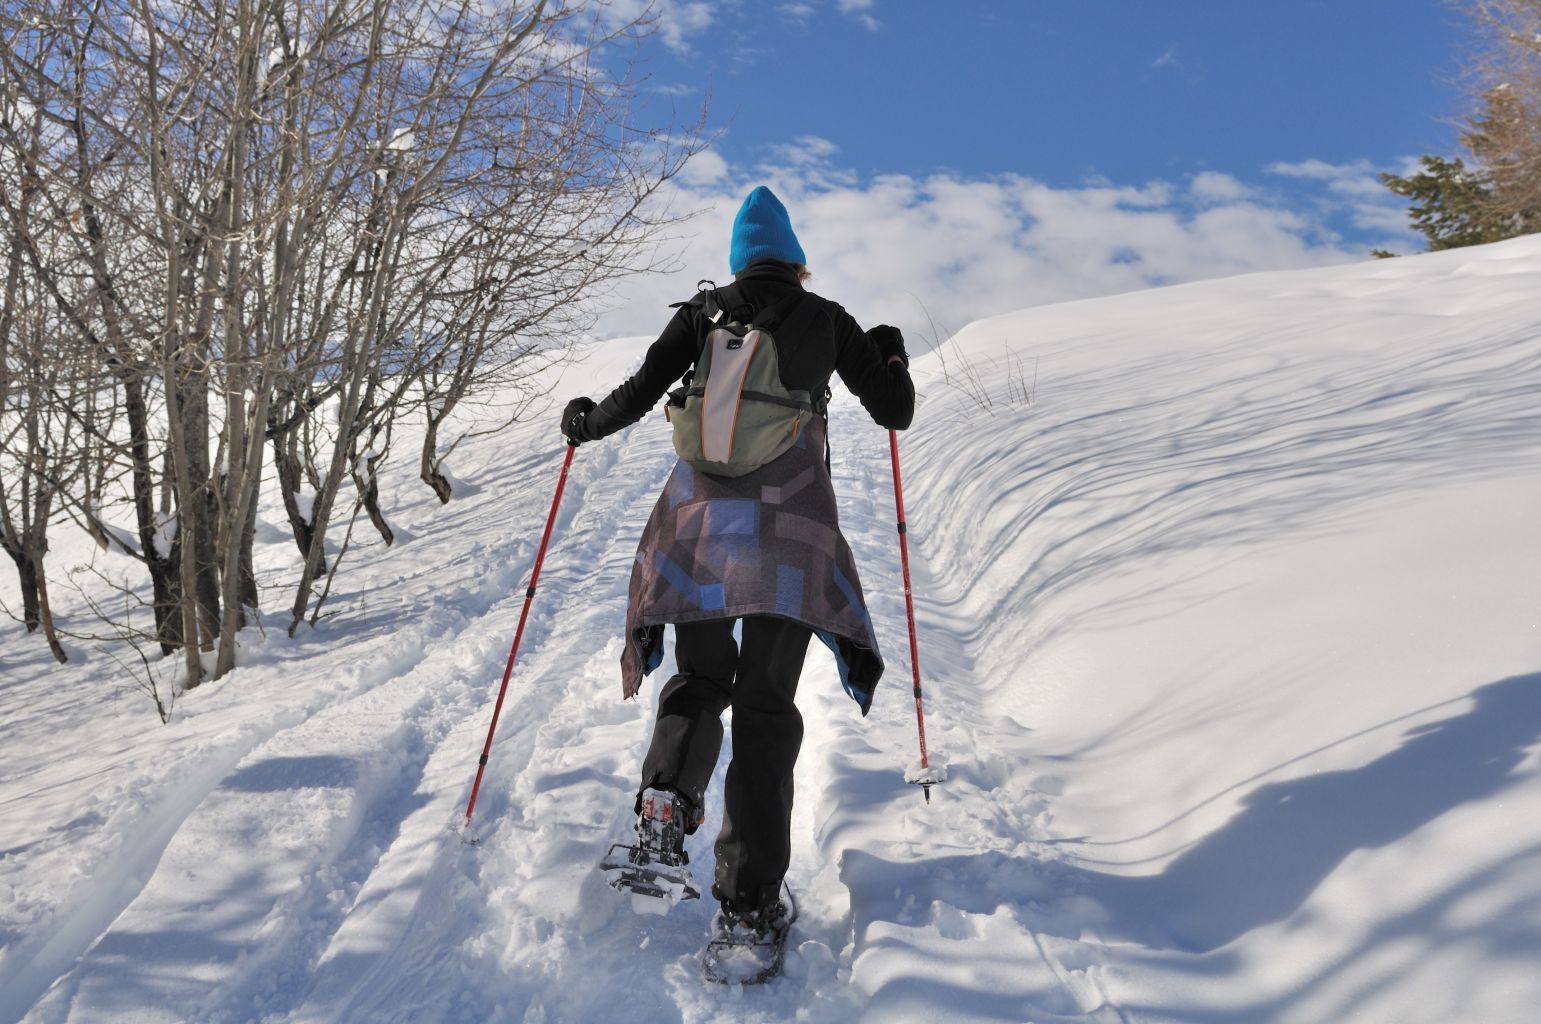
(749,948)
(654,870)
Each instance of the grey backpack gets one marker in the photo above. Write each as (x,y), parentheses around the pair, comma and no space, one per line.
(733,415)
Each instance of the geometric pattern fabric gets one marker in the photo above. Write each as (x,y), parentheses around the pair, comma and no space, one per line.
(766,543)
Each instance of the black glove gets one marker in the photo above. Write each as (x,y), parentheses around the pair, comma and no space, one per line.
(573,418)
(890,343)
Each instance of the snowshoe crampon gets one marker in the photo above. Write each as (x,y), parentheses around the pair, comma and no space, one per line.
(749,949)
(654,870)
(632,869)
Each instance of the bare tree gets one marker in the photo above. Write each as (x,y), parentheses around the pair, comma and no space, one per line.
(35,460)
(74,239)
(1505,134)
(276,228)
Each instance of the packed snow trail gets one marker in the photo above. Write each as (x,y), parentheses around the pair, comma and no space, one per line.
(393,755)
(316,876)
(1229,626)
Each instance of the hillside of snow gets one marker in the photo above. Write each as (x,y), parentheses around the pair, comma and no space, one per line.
(1229,601)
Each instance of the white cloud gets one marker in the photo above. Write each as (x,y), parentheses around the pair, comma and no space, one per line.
(861,10)
(1321,170)
(812,158)
(1215,187)
(676,20)
(897,247)
(1354,190)
(679,21)
(705,168)
(1358,178)
(1355,180)
(1391,219)
(798,13)
(1167,59)
(808,149)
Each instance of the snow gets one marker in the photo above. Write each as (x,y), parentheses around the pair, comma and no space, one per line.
(1230,640)
(165,536)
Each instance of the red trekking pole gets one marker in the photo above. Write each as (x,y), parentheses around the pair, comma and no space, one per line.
(925,779)
(529,595)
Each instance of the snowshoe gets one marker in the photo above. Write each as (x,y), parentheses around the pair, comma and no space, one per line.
(749,948)
(654,870)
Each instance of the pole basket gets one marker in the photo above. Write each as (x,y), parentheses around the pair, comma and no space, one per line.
(926,775)
(464,830)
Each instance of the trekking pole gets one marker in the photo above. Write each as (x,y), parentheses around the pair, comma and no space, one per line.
(513,652)
(925,779)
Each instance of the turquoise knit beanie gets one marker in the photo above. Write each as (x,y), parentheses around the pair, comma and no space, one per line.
(762,230)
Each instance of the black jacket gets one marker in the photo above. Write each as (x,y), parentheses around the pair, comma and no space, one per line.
(832,343)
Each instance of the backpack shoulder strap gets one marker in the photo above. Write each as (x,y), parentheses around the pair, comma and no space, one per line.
(777,313)
(708,299)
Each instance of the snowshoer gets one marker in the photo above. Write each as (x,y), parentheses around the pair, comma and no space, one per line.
(762,548)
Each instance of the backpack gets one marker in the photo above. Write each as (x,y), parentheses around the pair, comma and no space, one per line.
(733,415)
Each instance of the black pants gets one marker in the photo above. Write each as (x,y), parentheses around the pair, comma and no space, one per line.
(760,683)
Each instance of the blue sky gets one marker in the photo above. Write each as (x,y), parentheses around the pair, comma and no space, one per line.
(1064,90)
(1116,144)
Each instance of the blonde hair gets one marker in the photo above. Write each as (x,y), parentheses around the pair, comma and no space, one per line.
(803,273)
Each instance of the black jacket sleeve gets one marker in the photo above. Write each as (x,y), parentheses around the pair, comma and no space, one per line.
(884,388)
(667,360)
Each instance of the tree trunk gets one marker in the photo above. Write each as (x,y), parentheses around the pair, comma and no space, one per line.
(428,468)
(286,466)
(189,500)
(368,484)
(47,615)
(200,515)
(208,566)
(247,587)
(240,579)
(26,572)
(165,592)
(34,598)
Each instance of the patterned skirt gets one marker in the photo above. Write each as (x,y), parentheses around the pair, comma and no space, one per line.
(766,543)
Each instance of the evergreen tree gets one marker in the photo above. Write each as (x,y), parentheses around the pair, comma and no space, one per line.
(1451,206)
